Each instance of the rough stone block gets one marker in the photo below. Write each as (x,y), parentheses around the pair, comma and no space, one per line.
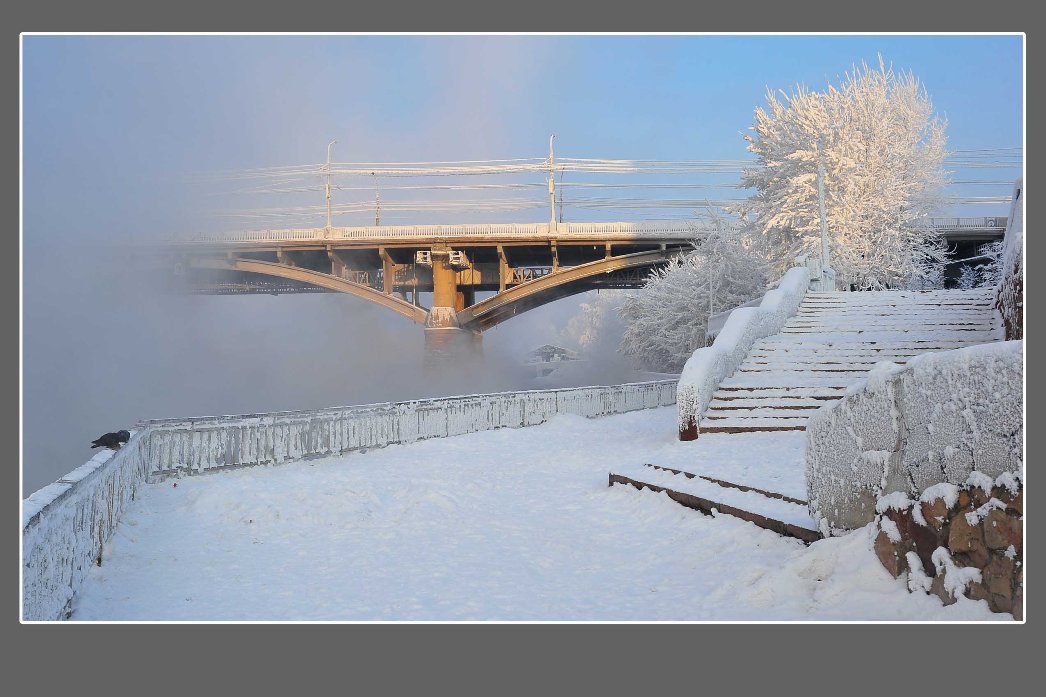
(976,590)
(1018,598)
(936,513)
(967,540)
(937,588)
(999,579)
(890,554)
(1001,531)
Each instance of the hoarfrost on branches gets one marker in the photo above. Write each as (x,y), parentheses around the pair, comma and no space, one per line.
(667,320)
(882,148)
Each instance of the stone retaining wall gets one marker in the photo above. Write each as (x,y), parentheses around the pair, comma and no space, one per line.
(937,419)
(954,540)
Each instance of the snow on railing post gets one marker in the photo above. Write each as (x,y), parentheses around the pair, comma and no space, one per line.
(708,366)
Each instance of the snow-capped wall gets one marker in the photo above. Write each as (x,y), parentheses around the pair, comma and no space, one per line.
(941,417)
(710,365)
(1010,296)
(66,524)
(191,446)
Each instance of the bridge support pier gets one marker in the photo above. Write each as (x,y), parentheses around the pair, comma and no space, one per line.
(445,345)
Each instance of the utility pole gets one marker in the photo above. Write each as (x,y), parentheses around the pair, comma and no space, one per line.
(377,201)
(552,182)
(329,183)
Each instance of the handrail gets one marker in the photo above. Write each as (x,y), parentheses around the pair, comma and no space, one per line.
(673,229)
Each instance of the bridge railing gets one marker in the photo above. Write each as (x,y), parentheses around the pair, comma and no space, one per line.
(653,230)
(986,223)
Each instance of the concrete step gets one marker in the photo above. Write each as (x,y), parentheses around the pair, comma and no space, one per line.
(807,403)
(819,393)
(781,515)
(751,425)
(723,411)
(858,342)
(770,381)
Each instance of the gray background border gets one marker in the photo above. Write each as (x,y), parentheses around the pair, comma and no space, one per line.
(494,659)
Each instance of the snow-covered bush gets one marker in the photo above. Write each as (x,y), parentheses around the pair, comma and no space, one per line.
(987,272)
(668,319)
(882,149)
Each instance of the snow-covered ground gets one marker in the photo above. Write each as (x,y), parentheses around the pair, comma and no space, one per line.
(513,524)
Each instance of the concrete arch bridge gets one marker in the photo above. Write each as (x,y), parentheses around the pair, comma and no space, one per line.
(520,266)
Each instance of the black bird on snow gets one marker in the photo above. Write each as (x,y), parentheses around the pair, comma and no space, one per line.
(111,440)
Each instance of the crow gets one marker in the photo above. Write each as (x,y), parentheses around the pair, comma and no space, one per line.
(111,440)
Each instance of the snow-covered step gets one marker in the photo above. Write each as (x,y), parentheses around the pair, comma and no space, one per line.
(726,392)
(711,424)
(928,323)
(900,305)
(860,342)
(792,403)
(724,412)
(812,361)
(837,380)
(959,312)
(781,516)
(823,371)
(729,485)
(898,295)
(869,333)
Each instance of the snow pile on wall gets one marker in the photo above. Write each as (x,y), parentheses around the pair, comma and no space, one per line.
(938,419)
(710,365)
(1010,297)
(65,524)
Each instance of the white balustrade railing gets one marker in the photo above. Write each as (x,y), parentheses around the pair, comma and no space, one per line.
(986,223)
(681,230)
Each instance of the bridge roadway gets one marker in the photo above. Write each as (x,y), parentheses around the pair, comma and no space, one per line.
(523,265)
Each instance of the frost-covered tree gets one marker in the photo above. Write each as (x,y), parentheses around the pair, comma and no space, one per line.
(667,320)
(590,325)
(882,148)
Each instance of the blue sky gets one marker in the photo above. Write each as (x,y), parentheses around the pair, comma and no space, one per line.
(124,119)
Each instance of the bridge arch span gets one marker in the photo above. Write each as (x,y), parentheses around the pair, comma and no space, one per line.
(566,282)
(317,278)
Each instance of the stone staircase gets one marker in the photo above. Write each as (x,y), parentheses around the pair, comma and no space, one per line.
(833,341)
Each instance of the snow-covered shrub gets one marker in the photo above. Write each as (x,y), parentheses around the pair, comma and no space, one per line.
(668,319)
(882,149)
